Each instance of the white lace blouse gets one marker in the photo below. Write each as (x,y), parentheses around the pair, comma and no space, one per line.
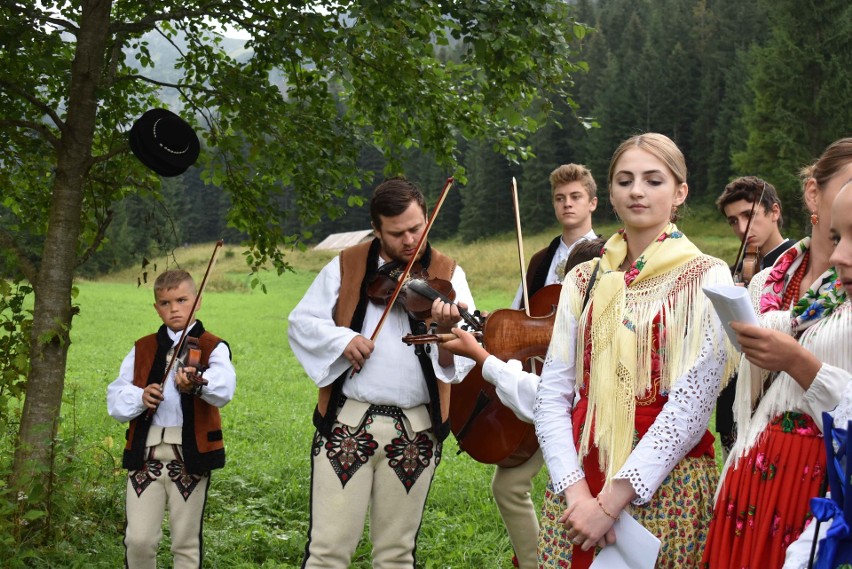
(675,431)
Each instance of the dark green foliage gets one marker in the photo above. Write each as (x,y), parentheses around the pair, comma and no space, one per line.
(487,198)
(799,81)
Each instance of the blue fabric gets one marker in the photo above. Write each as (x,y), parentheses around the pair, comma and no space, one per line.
(836,547)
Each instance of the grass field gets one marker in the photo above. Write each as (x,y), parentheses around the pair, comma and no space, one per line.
(257,513)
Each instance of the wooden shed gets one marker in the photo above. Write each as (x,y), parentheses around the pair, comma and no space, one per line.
(338,241)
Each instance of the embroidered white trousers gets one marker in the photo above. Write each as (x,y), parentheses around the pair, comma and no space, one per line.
(379,468)
(160,484)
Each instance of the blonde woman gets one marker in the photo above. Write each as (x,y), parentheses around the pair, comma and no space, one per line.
(644,357)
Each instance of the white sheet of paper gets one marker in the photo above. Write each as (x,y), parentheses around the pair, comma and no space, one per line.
(634,547)
(732,304)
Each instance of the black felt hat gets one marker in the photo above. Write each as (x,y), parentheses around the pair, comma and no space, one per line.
(164,142)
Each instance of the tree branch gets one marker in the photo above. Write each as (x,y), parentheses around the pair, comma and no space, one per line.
(43,107)
(135,77)
(38,127)
(28,268)
(30,11)
(147,23)
(99,237)
(123,149)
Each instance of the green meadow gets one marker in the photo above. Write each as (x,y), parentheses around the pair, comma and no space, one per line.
(257,513)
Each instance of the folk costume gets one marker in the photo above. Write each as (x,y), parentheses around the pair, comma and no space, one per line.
(169,456)
(547,266)
(512,487)
(778,461)
(725,403)
(645,357)
(834,511)
(379,433)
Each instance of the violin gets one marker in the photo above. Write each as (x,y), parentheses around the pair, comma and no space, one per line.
(417,293)
(184,339)
(750,254)
(191,357)
(484,428)
(750,265)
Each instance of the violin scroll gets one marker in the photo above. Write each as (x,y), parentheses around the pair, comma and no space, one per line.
(418,292)
(417,339)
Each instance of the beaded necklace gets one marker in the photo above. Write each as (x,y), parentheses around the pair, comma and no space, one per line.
(791,293)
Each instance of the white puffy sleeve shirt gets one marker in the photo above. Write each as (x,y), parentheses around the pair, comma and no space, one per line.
(392,375)
(124,400)
(515,387)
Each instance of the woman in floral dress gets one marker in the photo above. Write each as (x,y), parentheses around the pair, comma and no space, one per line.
(778,460)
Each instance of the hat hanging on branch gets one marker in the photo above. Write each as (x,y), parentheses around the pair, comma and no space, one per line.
(164,142)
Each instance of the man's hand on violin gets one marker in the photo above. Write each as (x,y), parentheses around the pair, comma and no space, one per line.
(358,351)
(446,315)
(152,395)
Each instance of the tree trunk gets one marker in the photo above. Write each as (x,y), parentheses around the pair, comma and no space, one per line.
(52,313)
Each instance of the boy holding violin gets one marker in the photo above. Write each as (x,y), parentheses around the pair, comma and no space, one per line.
(382,411)
(750,205)
(174,438)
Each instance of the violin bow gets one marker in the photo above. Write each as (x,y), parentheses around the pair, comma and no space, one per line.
(748,228)
(182,339)
(521,259)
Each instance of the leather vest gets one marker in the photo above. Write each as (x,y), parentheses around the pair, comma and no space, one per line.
(354,264)
(202,445)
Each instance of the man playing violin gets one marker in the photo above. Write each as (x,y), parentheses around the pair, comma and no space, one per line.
(749,199)
(573,191)
(737,204)
(175,435)
(382,412)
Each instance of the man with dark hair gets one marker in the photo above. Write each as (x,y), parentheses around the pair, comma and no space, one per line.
(378,432)
(737,203)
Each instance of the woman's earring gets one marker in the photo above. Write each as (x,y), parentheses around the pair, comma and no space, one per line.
(814,218)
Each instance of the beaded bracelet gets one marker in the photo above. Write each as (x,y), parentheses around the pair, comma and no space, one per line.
(598,500)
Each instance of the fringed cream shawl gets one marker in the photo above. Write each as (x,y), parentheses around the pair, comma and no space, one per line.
(667,280)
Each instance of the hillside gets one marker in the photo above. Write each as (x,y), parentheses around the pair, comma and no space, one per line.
(491,264)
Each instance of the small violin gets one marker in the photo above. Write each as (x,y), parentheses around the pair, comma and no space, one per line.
(191,357)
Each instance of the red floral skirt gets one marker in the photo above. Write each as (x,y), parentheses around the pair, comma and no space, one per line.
(763,503)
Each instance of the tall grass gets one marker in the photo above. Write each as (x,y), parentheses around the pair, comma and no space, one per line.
(257,512)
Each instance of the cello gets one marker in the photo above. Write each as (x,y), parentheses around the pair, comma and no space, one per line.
(486,429)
